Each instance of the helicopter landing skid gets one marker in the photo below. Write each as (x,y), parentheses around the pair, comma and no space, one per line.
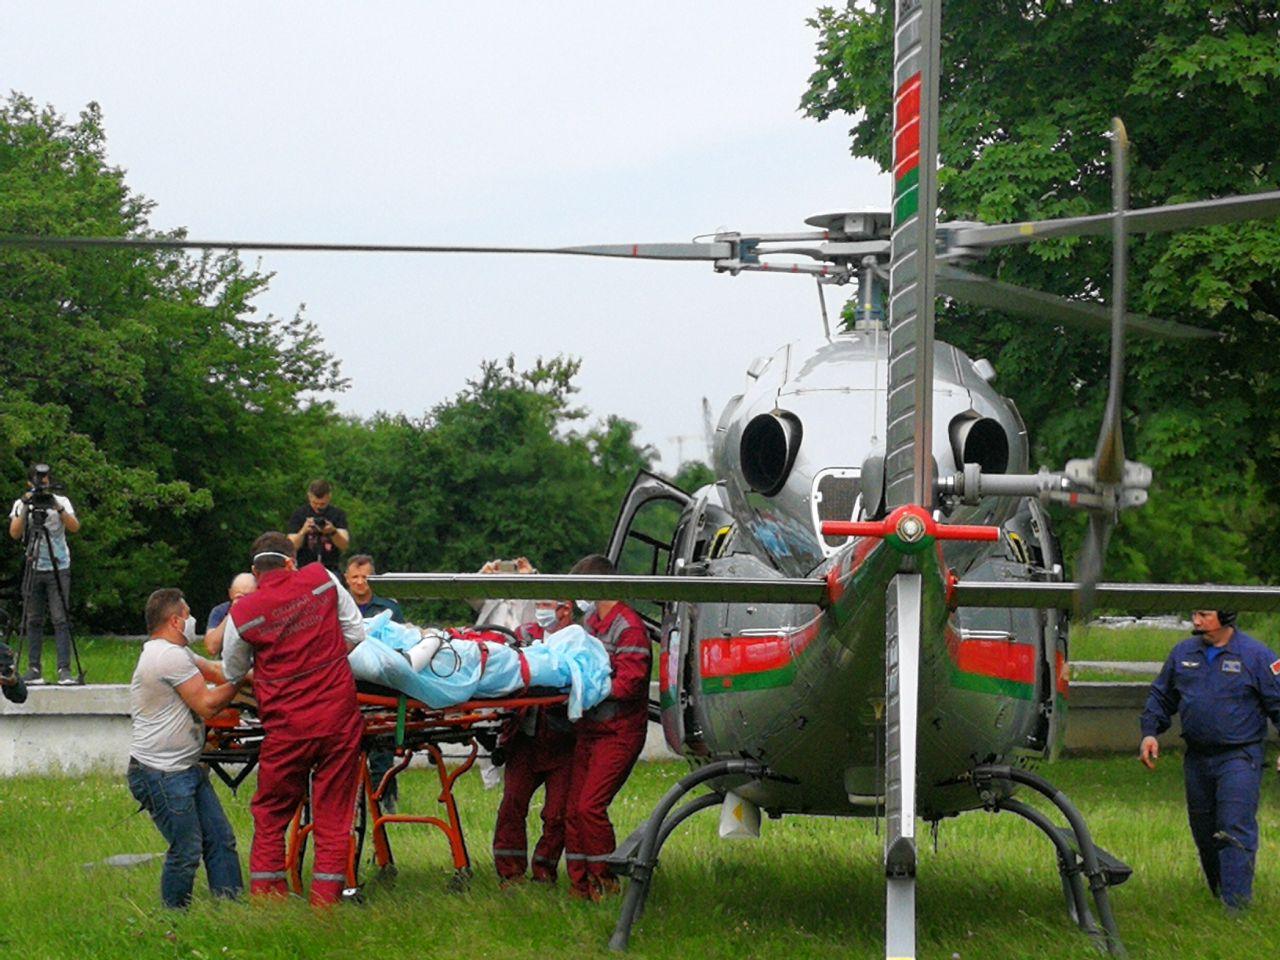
(1078,856)
(637,856)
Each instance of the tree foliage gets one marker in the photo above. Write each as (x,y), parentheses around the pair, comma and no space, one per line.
(503,469)
(177,419)
(1027,92)
(183,424)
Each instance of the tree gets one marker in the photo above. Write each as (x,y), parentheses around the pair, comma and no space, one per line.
(179,421)
(498,471)
(1027,92)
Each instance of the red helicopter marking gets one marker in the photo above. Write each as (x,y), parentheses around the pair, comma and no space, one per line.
(1001,660)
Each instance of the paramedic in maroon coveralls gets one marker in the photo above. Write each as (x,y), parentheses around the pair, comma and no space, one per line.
(539,748)
(295,631)
(610,737)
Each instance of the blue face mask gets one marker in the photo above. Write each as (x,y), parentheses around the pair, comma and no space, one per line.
(545,616)
(588,607)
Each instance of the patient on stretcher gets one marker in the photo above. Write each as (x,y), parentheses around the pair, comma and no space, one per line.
(444,668)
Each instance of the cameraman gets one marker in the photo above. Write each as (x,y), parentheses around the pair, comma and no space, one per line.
(318,531)
(11,685)
(49,590)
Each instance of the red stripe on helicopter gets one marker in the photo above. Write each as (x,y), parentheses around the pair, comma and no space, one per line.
(741,656)
(906,128)
(1002,660)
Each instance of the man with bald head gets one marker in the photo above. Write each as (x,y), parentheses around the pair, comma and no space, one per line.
(242,584)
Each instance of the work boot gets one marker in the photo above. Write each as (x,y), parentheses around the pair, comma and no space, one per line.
(587,892)
(33,677)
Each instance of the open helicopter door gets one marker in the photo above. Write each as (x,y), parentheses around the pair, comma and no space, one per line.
(646,541)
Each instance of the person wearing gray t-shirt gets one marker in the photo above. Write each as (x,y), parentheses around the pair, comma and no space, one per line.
(170,699)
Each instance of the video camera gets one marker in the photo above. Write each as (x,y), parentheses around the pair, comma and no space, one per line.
(39,495)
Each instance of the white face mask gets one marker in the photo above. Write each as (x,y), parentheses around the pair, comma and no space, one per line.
(189,629)
(546,617)
(588,607)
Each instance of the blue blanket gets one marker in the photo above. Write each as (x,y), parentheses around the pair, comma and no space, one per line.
(569,659)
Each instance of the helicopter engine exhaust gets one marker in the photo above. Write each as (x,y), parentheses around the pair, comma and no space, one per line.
(979,440)
(770,442)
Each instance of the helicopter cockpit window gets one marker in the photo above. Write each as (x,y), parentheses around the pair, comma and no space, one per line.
(647,550)
(837,495)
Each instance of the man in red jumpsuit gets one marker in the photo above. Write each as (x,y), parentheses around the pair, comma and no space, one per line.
(295,631)
(610,737)
(539,751)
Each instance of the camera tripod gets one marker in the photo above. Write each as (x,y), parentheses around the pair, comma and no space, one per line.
(36,534)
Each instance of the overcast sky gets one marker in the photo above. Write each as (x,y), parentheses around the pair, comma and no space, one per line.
(512,123)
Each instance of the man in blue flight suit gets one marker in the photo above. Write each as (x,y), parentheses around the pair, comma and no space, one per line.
(1224,684)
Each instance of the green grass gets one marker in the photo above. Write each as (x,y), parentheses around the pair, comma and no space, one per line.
(104,659)
(1131,643)
(809,888)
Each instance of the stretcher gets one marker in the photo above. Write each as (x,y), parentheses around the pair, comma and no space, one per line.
(392,722)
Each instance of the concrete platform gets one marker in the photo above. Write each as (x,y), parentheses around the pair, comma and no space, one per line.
(75,730)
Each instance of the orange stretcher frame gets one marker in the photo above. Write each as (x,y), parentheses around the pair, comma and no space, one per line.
(393,721)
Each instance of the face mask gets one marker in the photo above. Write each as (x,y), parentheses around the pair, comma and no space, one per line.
(588,607)
(546,618)
(189,629)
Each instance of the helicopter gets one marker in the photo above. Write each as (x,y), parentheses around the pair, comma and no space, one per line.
(866,615)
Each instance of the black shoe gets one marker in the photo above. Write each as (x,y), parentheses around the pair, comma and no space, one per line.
(65,679)
(33,678)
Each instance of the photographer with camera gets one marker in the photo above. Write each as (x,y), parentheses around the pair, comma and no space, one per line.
(318,530)
(42,519)
(11,685)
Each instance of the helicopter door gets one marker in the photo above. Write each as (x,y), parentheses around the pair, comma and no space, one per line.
(1051,672)
(651,532)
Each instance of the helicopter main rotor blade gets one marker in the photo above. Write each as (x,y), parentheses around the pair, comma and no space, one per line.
(714,250)
(980,291)
(1174,216)
(1130,597)
(540,586)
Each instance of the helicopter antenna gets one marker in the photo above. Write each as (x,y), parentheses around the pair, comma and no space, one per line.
(822,302)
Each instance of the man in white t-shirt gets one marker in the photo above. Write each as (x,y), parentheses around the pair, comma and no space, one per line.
(50,584)
(170,699)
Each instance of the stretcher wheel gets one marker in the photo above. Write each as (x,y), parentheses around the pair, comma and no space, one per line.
(460,882)
(387,875)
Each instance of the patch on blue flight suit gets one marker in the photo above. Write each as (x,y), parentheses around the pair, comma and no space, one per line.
(1191,663)
(1275,668)
(1230,666)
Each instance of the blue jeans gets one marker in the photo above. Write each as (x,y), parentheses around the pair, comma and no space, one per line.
(187,813)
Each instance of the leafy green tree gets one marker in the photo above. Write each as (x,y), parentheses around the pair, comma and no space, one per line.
(1027,92)
(504,469)
(178,420)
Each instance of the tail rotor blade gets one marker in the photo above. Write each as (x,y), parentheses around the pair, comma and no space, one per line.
(1109,456)
(1089,561)
(1108,459)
